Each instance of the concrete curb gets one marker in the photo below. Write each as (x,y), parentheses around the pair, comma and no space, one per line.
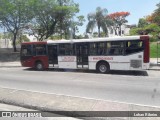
(52,102)
(10,64)
(154,67)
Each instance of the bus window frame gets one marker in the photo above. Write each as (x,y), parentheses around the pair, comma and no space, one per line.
(64,54)
(143,47)
(116,48)
(34,50)
(29,49)
(90,48)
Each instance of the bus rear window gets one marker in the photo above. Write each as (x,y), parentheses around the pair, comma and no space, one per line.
(26,50)
(134,46)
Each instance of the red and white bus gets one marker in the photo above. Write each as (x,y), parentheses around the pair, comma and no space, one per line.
(101,54)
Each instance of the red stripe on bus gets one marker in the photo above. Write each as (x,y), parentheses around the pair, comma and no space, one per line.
(146,49)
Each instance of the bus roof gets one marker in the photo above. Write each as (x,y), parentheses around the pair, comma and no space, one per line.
(118,38)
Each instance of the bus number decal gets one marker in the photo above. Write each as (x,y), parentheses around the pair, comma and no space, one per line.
(102,58)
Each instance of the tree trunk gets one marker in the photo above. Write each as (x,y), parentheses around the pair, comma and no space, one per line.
(120,30)
(61,20)
(74,33)
(61,34)
(106,33)
(61,27)
(99,31)
(66,35)
(14,42)
(115,30)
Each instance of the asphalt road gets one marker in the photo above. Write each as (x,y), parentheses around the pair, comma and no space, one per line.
(121,86)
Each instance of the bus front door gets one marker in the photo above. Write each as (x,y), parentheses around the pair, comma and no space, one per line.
(53,55)
(82,55)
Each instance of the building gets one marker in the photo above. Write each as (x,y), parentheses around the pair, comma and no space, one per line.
(125,29)
(5,43)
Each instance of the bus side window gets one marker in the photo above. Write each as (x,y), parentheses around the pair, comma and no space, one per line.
(34,50)
(66,49)
(50,51)
(108,48)
(40,49)
(116,48)
(101,48)
(93,49)
(61,49)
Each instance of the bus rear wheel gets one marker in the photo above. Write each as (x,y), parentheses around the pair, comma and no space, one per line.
(39,66)
(103,67)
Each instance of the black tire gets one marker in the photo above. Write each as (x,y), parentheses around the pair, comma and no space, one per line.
(39,66)
(103,67)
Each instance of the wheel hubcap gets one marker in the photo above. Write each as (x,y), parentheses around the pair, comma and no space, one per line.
(39,66)
(103,68)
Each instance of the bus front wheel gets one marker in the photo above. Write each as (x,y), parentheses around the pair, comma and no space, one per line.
(39,66)
(103,67)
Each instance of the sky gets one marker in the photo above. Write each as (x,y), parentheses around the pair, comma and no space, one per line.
(137,8)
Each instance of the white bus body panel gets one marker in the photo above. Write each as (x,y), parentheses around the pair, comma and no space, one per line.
(120,62)
(115,62)
(146,66)
(67,62)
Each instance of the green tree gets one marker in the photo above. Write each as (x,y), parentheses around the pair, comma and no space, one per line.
(156,15)
(97,19)
(70,27)
(79,37)
(151,29)
(154,30)
(1,35)
(95,34)
(149,25)
(22,38)
(14,15)
(136,31)
(142,22)
(66,16)
(118,19)
(76,24)
(51,17)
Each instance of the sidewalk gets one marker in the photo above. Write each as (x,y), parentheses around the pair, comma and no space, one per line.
(10,64)
(153,64)
(153,61)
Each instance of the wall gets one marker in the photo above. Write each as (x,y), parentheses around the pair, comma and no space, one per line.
(7,55)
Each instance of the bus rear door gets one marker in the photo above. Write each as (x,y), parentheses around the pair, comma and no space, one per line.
(53,54)
(82,50)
